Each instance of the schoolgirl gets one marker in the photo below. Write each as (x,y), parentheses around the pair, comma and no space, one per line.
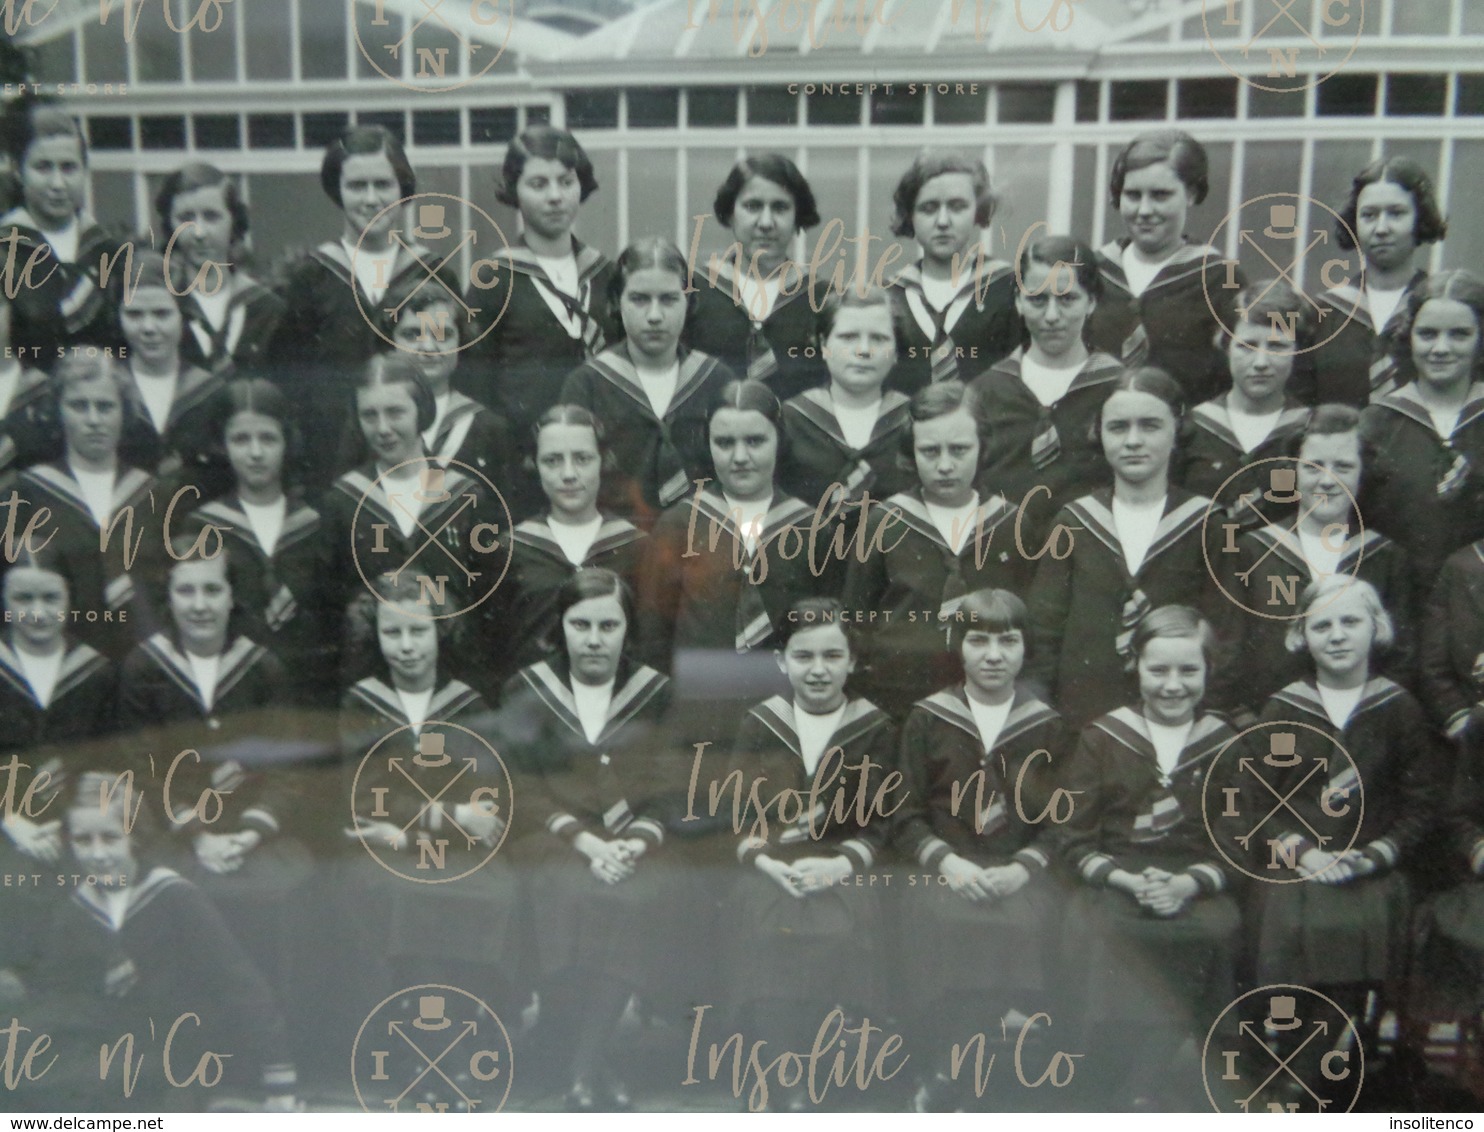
(230,316)
(324,340)
(1432,427)
(850,431)
(394,408)
(755,309)
(411,722)
(1323,534)
(723,567)
(801,940)
(23,401)
(571,456)
(1137,545)
(1257,418)
(90,490)
(63,305)
(1152,935)
(1343,931)
(56,696)
(280,554)
(134,945)
(176,397)
(1391,214)
(583,727)
(936,543)
(650,392)
(548,310)
(1155,310)
(1045,397)
(960,303)
(978,760)
(463,430)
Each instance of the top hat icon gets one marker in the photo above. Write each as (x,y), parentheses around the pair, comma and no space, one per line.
(1282,749)
(1282,1013)
(1282,222)
(433,489)
(430,750)
(430,1014)
(1283,486)
(430,225)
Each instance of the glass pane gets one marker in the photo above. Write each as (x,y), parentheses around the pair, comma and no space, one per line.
(1418,95)
(113,200)
(218,131)
(834,175)
(162,131)
(1470,100)
(835,108)
(53,60)
(1088,93)
(435,127)
(1027,102)
(1275,104)
(289,212)
(706,169)
(654,109)
(711,106)
(323,128)
(1271,167)
(270,131)
(214,54)
(322,35)
(1022,180)
(1085,191)
(438,56)
(964,104)
(652,202)
(1464,246)
(772,106)
(597,223)
(157,44)
(393,120)
(592,110)
(1138,100)
(268,35)
(1347,95)
(888,164)
(492,124)
(103,52)
(111,133)
(1206,98)
(899,107)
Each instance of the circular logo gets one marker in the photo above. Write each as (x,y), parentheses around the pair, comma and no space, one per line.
(435,38)
(1291,44)
(1258,563)
(433,807)
(457,318)
(1293,788)
(456,549)
(432,1048)
(1283,1048)
(1268,227)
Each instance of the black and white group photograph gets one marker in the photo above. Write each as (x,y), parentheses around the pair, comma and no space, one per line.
(735,556)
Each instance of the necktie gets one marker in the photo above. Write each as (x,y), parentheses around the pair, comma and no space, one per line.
(1134,609)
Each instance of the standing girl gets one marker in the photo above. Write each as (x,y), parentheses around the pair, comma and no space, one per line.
(1343,931)
(803,942)
(1432,427)
(1393,213)
(1045,397)
(1155,310)
(277,542)
(850,431)
(977,759)
(64,304)
(755,310)
(571,458)
(961,304)
(933,544)
(585,727)
(1153,933)
(229,316)
(553,289)
(1138,545)
(650,392)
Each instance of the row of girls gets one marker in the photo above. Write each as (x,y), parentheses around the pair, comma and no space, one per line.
(277,408)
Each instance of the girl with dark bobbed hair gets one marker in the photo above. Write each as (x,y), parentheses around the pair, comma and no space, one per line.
(1391,214)
(754,309)
(333,295)
(958,304)
(230,316)
(1164,297)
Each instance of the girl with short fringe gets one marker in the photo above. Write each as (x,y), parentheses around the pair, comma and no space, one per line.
(547,309)
(957,304)
(755,307)
(1164,297)
(1392,213)
(800,940)
(650,391)
(1045,397)
(230,316)
(572,457)
(1152,936)
(1322,534)
(936,543)
(324,339)
(850,431)
(65,305)
(1136,546)
(1432,428)
(979,761)
(277,541)
(1341,925)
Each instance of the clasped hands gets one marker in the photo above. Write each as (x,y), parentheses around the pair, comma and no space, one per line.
(1156,890)
(993,882)
(611,861)
(807,874)
(1334,868)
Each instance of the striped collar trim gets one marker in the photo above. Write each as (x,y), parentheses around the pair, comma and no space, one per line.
(446,702)
(1215,418)
(79,663)
(1408,403)
(130,487)
(951,705)
(1183,512)
(240,656)
(638,690)
(1189,260)
(139,895)
(861,717)
(1304,695)
(817,408)
(994,511)
(1129,727)
(612,534)
(616,367)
